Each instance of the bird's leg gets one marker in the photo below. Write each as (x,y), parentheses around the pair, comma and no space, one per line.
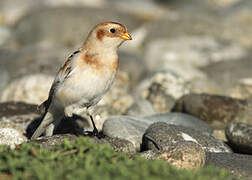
(95,131)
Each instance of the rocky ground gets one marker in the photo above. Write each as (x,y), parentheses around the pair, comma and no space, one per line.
(184,88)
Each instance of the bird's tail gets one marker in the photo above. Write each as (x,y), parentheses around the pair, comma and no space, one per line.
(47,119)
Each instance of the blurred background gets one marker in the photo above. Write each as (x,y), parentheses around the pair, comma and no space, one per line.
(203,45)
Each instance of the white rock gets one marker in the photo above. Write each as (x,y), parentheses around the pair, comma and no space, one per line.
(30,89)
(172,84)
(11,137)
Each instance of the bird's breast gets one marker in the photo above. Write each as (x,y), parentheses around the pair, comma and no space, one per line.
(85,85)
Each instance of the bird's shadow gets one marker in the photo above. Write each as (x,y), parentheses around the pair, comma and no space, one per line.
(73,125)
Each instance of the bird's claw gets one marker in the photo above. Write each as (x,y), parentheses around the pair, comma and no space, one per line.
(94,133)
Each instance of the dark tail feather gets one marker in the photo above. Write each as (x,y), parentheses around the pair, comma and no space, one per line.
(47,119)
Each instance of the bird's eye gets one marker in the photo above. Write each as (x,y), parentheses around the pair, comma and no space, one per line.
(112,30)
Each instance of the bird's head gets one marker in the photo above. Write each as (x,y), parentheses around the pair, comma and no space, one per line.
(108,35)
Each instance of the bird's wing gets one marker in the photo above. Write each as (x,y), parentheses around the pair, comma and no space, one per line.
(65,71)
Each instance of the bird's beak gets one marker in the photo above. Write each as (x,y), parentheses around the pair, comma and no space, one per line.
(126,36)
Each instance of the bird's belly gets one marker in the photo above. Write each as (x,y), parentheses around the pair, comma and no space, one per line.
(85,88)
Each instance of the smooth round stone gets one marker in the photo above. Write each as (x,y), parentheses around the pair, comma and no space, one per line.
(215,109)
(184,155)
(126,127)
(239,137)
(181,119)
(161,136)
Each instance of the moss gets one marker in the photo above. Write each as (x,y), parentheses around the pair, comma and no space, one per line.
(84,159)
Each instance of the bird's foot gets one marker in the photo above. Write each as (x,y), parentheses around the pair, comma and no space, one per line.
(94,133)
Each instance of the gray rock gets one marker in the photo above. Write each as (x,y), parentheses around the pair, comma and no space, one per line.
(239,137)
(215,110)
(237,164)
(159,98)
(65,26)
(196,51)
(133,64)
(141,107)
(33,60)
(161,136)
(229,76)
(4,77)
(125,127)
(5,35)
(181,120)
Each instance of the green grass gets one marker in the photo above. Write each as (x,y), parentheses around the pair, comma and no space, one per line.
(84,159)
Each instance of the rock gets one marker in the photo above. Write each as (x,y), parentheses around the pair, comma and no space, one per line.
(239,137)
(60,3)
(4,77)
(17,115)
(140,108)
(33,60)
(215,110)
(119,97)
(29,89)
(145,9)
(196,51)
(5,35)
(129,128)
(237,164)
(170,83)
(232,77)
(132,64)
(243,89)
(118,145)
(185,155)
(11,136)
(161,90)
(52,141)
(181,120)
(56,25)
(132,128)
(204,85)
(161,136)
(220,134)
(12,10)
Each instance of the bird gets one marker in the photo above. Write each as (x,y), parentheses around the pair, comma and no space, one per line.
(85,77)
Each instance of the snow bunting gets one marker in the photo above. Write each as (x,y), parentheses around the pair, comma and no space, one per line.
(85,77)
